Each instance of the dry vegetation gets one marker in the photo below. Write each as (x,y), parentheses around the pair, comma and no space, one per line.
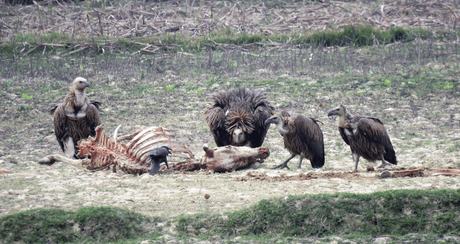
(412,87)
(142,18)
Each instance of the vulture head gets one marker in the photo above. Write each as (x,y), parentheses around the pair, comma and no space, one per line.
(157,156)
(80,83)
(239,123)
(339,111)
(280,121)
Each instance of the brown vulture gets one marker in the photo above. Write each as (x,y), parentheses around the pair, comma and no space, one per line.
(366,136)
(302,136)
(236,117)
(76,118)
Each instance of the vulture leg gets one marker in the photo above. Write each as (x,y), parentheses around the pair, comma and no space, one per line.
(383,162)
(166,162)
(356,158)
(284,165)
(300,163)
(69,147)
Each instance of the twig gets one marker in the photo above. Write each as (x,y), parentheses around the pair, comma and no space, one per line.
(75,51)
(31,50)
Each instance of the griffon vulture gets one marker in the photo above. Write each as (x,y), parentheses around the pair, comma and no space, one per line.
(236,117)
(366,136)
(76,118)
(302,136)
(157,156)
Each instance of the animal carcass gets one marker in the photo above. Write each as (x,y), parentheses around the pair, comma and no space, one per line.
(132,157)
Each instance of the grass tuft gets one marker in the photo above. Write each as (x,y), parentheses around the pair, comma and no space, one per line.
(383,213)
(59,226)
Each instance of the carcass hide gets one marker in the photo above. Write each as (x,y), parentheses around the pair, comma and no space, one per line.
(231,158)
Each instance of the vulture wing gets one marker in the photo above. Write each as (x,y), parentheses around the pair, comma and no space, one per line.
(344,136)
(215,117)
(311,135)
(60,124)
(262,112)
(92,117)
(374,130)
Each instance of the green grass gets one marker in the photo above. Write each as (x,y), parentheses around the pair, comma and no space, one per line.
(93,224)
(383,213)
(396,213)
(358,36)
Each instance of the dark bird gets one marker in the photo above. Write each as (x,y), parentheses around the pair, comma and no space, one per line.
(76,118)
(302,136)
(157,156)
(366,136)
(236,117)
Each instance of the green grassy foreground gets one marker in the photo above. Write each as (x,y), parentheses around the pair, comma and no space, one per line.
(395,213)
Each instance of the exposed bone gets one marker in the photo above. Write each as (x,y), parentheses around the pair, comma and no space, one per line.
(51,159)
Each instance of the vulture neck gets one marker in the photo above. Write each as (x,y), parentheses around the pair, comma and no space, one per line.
(79,97)
(283,130)
(341,121)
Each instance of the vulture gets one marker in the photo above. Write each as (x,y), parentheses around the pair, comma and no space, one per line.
(237,117)
(76,118)
(157,156)
(366,136)
(302,136)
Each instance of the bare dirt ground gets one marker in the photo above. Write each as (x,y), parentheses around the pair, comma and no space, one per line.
(424,130)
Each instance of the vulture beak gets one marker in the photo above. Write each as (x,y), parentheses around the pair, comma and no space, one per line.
(269,121)
(333,112)
(88,84)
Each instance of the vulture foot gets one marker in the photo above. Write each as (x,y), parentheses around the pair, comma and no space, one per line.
(284,165)
(281,166)
(384,164)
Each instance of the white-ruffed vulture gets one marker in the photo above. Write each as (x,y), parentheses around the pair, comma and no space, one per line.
(302,136)
(76,118)
(157,156)
(236,117)
(366,136)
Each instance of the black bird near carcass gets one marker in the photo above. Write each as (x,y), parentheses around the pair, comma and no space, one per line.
(302,136)
(236,117)
(366,136)
(157,156)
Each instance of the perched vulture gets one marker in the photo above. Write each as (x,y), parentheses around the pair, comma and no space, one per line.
(236,117)
(76,118)
(366,136)
(157,156)
(302,136)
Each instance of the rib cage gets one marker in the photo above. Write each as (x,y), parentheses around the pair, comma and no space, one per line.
(131,157)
